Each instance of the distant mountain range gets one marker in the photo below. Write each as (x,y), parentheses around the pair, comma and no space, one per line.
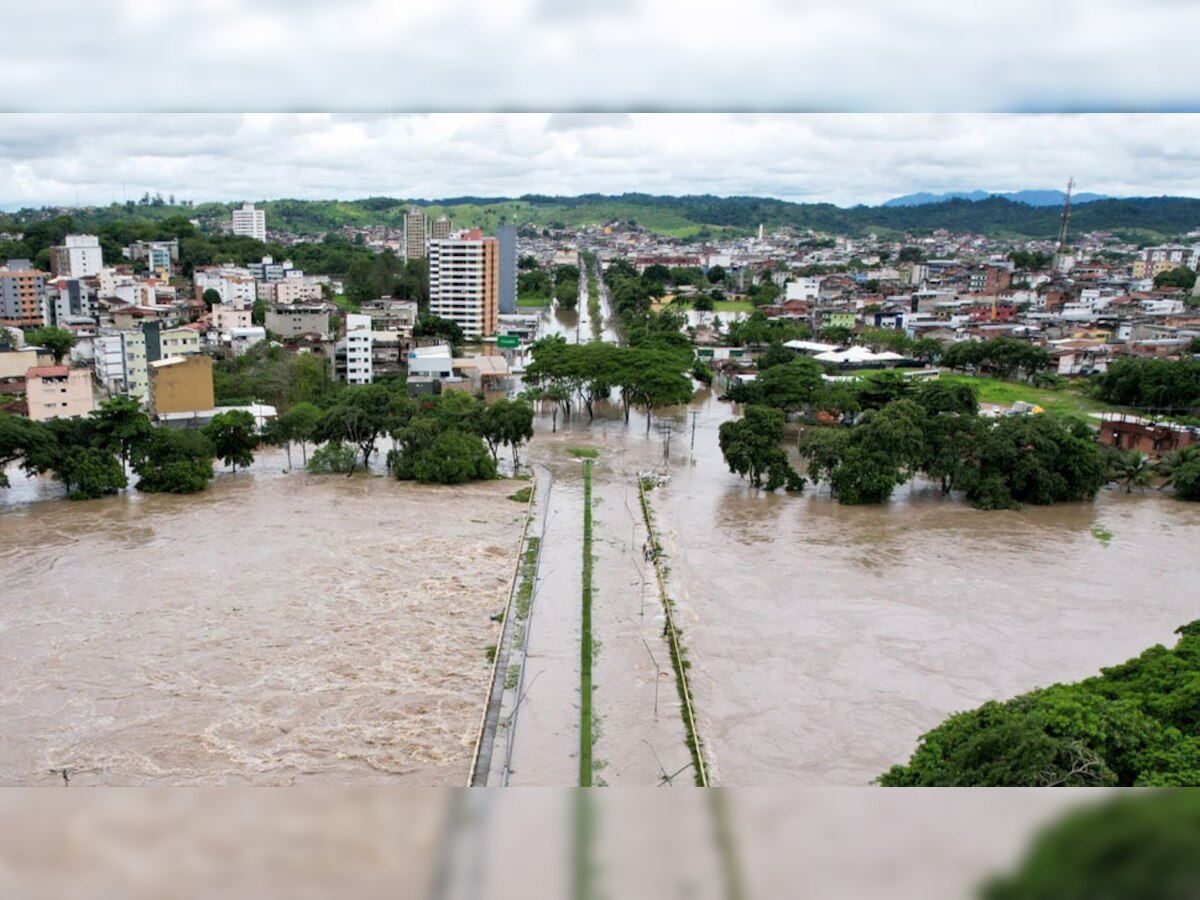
(1029,198)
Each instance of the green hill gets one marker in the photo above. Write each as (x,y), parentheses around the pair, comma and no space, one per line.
(1144,219)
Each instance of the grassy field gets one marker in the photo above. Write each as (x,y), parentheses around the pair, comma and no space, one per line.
(1066,400)
(533,302)
(720,306)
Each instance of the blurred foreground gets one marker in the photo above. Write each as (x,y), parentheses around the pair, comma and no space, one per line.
(419,843)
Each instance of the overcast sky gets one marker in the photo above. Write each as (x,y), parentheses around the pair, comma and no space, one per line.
(841,158)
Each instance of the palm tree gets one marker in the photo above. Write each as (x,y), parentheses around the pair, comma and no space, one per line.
(1172,462)
(1133,470)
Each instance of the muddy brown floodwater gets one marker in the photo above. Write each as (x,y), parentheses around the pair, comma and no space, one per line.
(826,639)
(272,630)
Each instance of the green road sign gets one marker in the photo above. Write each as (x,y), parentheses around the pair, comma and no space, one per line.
(508,341)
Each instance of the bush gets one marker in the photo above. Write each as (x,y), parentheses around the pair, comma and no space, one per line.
(333,457)
(174,462)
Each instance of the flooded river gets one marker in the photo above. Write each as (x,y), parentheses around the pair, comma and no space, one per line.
(826,639)
(272,630)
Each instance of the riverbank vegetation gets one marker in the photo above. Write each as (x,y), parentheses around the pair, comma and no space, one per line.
(1135,724)
(650,374)
(445,439)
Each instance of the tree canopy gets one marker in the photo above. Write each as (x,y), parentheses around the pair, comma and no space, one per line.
(1137,723)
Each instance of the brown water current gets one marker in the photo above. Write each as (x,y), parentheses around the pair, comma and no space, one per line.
(826,639)
(272,630)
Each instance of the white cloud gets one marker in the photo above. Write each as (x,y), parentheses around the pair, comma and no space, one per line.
(842,158)
(871,55)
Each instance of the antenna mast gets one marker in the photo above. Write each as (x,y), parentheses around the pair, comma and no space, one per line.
(1062,229)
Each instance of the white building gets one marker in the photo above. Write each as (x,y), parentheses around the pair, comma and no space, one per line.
(435,361)
(359,368)
(464,282)
(803,289)
(121,363)
(250,222)
(78,257)
(236,286)
(242,339)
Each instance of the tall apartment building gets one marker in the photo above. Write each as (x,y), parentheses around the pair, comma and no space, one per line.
(440,229)
(22,295)
(78,257)
(121,363)
(181,384)
(71,298)
(464,282)
(359,368)
(414,234)
(506,236)
(250,222)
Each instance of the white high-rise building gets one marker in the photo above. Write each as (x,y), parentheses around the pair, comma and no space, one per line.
(250,222)
(359,367)
(464,282)
(78,257)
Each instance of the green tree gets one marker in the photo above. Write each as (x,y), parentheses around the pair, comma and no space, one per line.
(299,425)
(211,298)
(362,413)
(233,437)
(752,448)
(837,334)
(58,341)
(653,379)
(1134,724)
(1131,470)
(1141,844)
(122,426)
(174,461)
(776,355)
(1179,277)
(22,440)
(453,457)
(507,422)
(333,457)
(790,387)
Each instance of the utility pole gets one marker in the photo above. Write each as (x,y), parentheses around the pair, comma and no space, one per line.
(1062,230)
(695,413)
(667,443)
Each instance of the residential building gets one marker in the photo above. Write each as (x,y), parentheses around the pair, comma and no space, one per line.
(435,361)
(464,282)
(297,319)
(414,234)
(388,314)
(121,362)
(506,237)
(72,298)
(440,228)
(802,289)
(22,295)
(359,369)
(269,270)
(58,392)
(250,222)
(292,290)
(158,255)
(226,319)
(16,361)
(242,339)
(78,257)
(236,287)
(163,342)
(181,384)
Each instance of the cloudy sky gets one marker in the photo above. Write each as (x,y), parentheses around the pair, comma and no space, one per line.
(841,158)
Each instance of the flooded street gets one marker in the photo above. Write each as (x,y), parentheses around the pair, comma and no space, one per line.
(272,630)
